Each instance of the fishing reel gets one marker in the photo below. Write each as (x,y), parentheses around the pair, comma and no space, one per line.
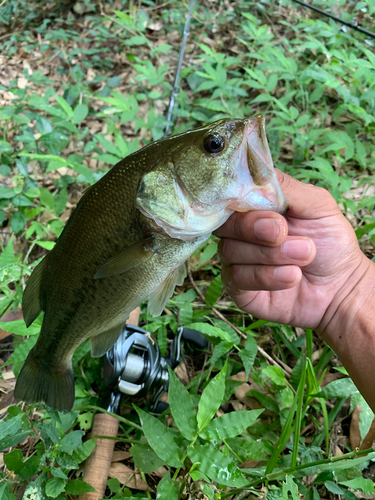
(134,365)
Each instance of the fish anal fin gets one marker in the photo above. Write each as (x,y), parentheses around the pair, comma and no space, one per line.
(102,342)
(128,258)
(31,302)
(159,297)
(51,383)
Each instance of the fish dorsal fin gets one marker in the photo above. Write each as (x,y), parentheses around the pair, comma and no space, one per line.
(159,297)
(127,259)
(31,303)
(101,343)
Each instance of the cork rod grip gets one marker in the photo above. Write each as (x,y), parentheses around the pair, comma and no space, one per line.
(99,462)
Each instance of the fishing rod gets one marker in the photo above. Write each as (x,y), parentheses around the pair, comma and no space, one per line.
(335,18)
(176,86)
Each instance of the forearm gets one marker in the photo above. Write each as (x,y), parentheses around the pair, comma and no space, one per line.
(350,330)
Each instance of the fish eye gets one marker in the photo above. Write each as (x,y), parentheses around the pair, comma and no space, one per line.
(214,143)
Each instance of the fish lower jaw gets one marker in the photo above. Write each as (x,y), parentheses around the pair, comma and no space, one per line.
(260,198)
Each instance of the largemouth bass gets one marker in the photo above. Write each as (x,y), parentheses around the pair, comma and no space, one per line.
(129,238)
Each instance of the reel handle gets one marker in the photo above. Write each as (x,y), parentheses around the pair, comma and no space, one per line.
(99,462)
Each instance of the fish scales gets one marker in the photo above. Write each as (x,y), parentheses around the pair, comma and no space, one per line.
(129,237)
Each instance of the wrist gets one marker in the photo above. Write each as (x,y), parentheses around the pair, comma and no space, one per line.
(352,310)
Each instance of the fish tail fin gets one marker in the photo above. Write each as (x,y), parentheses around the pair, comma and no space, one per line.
(40,380)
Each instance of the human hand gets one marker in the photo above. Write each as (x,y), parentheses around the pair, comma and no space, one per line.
(295,270)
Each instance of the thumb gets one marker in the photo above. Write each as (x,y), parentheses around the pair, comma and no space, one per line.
(306,201)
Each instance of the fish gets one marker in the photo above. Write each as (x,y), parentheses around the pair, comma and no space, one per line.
(129,237)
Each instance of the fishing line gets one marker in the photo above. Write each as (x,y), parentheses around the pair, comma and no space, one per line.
(176,86)
(337,19)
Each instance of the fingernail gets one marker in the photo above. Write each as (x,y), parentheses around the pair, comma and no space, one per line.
(266,230)
(297,249)
(285,274)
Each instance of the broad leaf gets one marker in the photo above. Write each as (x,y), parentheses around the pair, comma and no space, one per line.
(182,407)
(217,466)
(145,459)
(248,354)
(160,438)
(167,489)
(211,399)
(230,425)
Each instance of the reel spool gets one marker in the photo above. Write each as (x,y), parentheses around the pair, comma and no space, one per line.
(135,366)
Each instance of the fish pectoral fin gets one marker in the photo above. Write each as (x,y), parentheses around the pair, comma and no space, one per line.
(159,297)
(31,303)
(128,258)
(102,342)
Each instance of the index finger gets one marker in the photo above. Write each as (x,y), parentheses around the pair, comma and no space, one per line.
(260,227)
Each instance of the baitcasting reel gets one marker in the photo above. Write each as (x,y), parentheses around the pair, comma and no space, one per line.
(135,366)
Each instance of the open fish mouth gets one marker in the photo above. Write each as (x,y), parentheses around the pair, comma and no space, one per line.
(258,188)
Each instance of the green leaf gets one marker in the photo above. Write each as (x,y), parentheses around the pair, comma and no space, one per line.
(18,327)
(109,146)
(366,417)
(212,331)
(35,490)
(20,354)
(84,450)
(80,113)
(114,485)
(18,221)
(7,255)
(186,313)
(5,147)
(160,438)
(333,488)
(264,400)
(61,199)
(214,291)
(182,407)
(6,193)
(248,354)
(230,425)
(67,461)
(276,374)
(211,399)
(71,441)
(55,486)
(360,483)
(272,82)
(208,253)
(77,487)
(145,458)
(46,198)
(14,460)
(48,245)
(65,106)
(167,489)
(57,472)
(342,388)
(217,466)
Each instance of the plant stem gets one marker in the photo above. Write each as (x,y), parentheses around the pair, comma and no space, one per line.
(102,410)
(290,470)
